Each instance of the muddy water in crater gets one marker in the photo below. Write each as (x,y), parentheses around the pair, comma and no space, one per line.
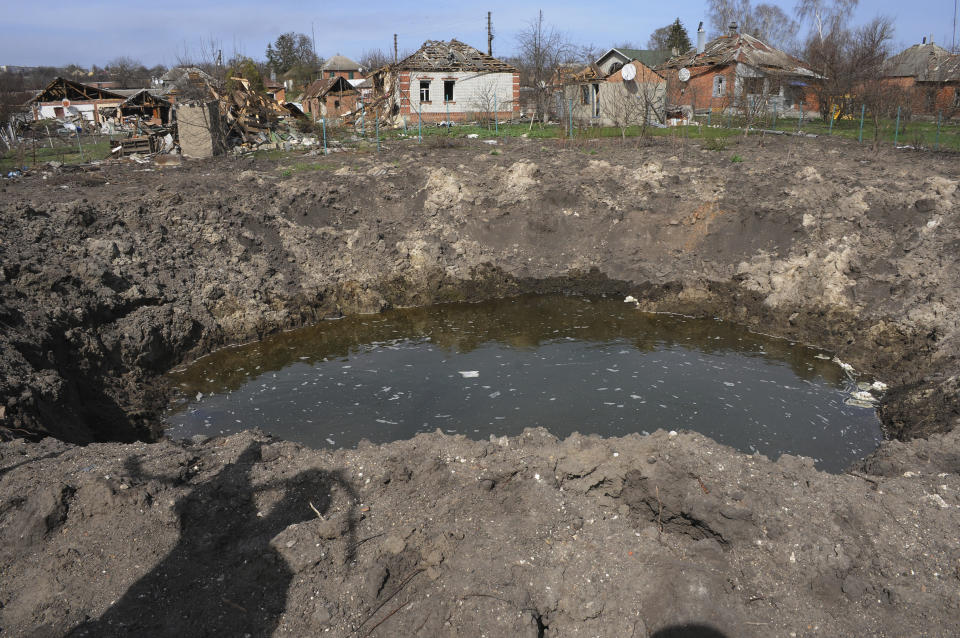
(589,365)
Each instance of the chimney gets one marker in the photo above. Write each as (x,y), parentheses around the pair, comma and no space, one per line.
(701,39)
(733,28)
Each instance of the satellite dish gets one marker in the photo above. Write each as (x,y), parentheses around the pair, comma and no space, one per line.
(65,103)
(684,75)
(628,72)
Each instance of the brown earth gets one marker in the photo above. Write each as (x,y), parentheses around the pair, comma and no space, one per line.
(111,277)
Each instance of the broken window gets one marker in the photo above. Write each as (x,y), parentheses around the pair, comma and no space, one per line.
(585,94)
(956,98)
(424,90)
(719,86)
(596,100)
(448,90)
(753,86)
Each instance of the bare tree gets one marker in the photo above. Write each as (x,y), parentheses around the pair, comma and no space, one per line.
(825,16)
(128,72)
(486,102)
(372,59)
(765,21)
(635,102)
(542,49)
(869,51)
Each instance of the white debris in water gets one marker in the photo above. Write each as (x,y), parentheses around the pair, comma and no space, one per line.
(199,395)
(863,395)
(630,299)
(494,395)
(821,356)
(469,374)
(879,386)
(331,442)
(846,367)
(729,383)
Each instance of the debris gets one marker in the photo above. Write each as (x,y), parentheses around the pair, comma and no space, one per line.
(469,374)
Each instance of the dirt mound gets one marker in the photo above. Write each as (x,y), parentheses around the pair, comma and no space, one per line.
(107,283)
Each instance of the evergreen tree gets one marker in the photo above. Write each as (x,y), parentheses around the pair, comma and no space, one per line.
(678,38)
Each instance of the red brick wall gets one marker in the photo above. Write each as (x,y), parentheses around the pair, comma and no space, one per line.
(698,91)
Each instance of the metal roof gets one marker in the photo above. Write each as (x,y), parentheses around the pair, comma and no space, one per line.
(741,48)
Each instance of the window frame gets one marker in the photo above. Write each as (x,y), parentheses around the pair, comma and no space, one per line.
(425,91)
(719,86)
(448,96)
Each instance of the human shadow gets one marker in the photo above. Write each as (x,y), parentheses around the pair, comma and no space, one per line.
(692,630)
(223,578)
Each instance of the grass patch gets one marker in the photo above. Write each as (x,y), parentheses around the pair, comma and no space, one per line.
(97,148)
(736,159)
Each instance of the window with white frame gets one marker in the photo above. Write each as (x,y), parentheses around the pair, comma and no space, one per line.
(424,90)
(719,86)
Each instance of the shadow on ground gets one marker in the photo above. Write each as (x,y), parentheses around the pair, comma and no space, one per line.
(223,578)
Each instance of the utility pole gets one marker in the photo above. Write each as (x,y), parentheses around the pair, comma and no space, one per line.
(489,35)
(953,43)
(395,48)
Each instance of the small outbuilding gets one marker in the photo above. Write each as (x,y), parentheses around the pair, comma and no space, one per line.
(64,98)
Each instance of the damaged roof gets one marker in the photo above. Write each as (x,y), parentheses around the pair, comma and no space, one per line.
(741,48)
(437,55)
(319,88)
(926,63)
(61,88)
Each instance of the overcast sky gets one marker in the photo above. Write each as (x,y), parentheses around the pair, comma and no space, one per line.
(91,32)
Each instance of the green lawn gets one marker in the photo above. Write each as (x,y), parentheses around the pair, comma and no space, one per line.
(63,151)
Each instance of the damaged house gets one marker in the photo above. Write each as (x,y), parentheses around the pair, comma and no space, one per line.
(64,98)
(930,76)
(446,81)
(630,94)
(330,98)
(738,71)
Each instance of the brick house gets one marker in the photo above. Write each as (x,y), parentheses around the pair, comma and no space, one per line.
(606,99)
(330,98)
(930,78)
(452,80)
(738,70)
(343,67)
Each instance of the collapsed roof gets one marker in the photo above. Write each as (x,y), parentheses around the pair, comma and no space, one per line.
(741,48)
(63,89)
(319,88)
(925,63)
(437,55)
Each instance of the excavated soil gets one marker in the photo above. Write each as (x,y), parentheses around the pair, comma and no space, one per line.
(111,277)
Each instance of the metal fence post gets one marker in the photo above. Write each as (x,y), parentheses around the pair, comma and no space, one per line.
(363,119)
(448,115)
(709,116)
(376,124)
(831,120)
(496,116)
(936,145)
(896,131)
(863,111)
(774,116)
(800,119)
(420,125)
(570,114)
(323,121)
(79,145)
